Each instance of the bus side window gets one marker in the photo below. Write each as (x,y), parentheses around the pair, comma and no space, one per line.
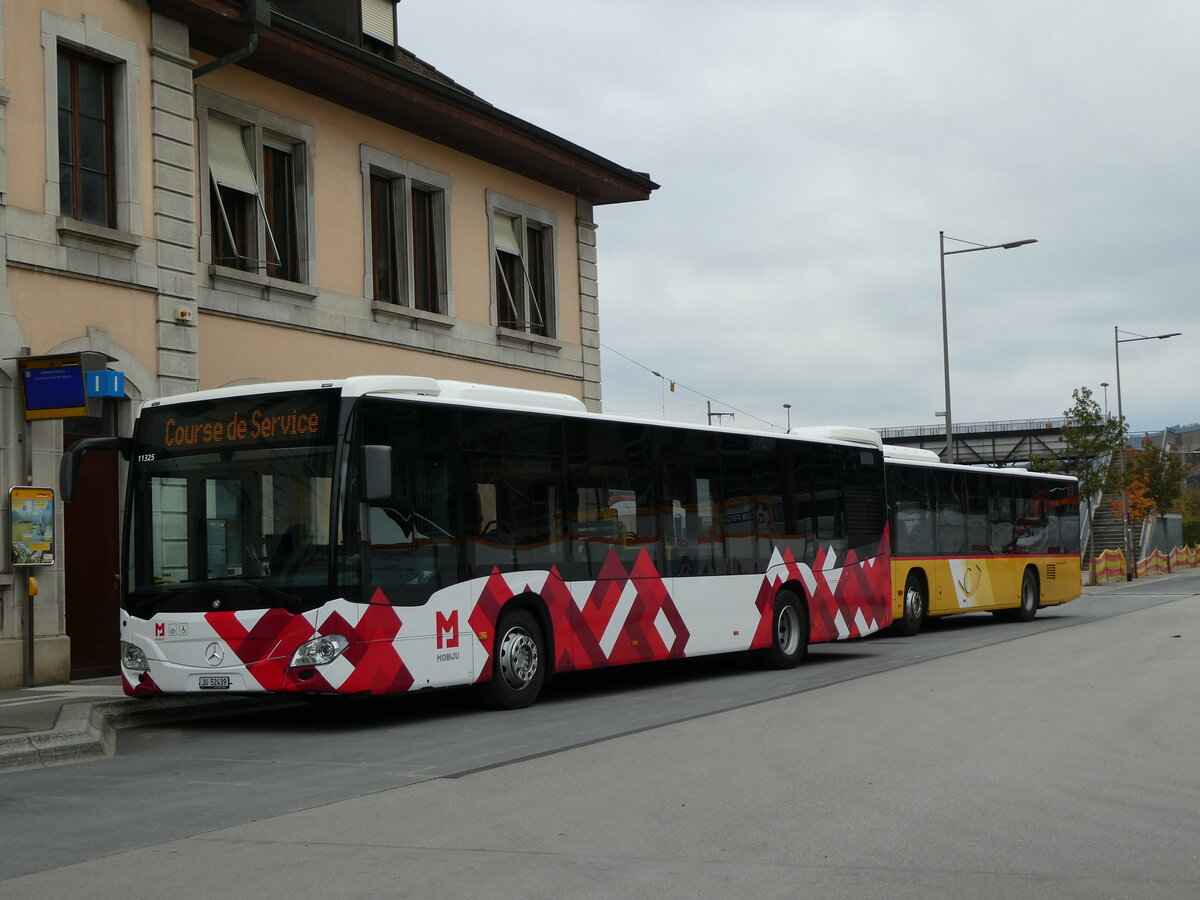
(410,543)
(978,539)
(515,519)
(1000,514)
(914,511)
(952,536)
(829,499)
(694,538)
(610,478)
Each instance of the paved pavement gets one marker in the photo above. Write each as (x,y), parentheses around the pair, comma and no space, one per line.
(1056,765)
(50,725)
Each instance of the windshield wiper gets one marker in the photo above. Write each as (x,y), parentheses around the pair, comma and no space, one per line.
(200,596)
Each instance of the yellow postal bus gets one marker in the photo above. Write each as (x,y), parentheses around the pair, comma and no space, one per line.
(971,539)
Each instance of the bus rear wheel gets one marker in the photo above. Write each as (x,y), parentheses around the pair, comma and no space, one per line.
(518,662)
(916,607)
(789,632)
(1030,598)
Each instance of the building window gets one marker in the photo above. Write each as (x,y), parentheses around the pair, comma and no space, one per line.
(85,139)
(385,266)
(379,27)
(255,209)
(426,287)
(91,125)
(524,284)
(279,191)
(407,234)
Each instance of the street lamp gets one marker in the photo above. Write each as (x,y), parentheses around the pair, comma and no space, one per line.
(1117,342)
(945,331)
(1104,384)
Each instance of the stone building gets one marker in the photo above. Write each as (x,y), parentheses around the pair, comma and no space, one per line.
(215,192)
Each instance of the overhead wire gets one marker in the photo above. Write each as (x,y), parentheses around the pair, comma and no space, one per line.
(674,382)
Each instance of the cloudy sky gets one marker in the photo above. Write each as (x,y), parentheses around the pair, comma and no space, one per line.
(810,151)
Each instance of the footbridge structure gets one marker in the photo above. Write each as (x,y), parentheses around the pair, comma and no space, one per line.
(985,443)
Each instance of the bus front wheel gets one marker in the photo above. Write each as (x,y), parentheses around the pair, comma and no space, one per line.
(916,607)
(789,632)
(518,662)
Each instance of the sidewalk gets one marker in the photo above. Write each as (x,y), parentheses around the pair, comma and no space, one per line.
(51,725)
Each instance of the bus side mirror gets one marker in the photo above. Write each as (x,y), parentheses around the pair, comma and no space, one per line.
(72,459)
(377,473)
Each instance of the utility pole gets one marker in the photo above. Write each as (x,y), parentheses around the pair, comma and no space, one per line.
(720,415)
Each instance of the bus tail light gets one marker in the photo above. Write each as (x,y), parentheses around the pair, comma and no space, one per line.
(320,650)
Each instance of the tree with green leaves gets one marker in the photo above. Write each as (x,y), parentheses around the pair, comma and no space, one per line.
(1160,471)
(1093,440)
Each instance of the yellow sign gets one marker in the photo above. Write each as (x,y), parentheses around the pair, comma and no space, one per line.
(32,526)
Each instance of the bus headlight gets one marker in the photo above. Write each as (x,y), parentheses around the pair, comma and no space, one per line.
(133,658)
(320,650)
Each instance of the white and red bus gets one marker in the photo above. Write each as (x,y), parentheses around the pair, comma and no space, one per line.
(376,535)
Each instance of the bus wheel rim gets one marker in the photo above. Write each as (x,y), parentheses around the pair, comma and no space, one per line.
(913,603)
(518,658)
(787,629)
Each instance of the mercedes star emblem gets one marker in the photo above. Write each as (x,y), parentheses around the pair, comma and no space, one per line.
(214,654)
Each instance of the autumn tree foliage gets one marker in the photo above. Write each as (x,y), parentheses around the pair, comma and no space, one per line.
(1154,477)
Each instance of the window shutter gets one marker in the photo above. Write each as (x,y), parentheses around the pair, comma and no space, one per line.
(505,231)
(379,20)
(227,158)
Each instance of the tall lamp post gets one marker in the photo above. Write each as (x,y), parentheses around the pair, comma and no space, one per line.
(1130,568)
(974,248)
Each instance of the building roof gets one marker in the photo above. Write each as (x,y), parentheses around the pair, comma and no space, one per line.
(405,92)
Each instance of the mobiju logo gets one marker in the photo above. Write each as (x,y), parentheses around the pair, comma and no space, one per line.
(447,630)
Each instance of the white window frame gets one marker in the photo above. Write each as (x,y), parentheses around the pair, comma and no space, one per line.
(526,215)
(259,128)
(89,37)
(404,176)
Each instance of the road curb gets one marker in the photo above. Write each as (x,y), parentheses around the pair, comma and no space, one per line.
(88,730)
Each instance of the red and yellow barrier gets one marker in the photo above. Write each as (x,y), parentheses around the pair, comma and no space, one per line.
(1156,563)
(1110,564)
(1110,567)
(1182,558)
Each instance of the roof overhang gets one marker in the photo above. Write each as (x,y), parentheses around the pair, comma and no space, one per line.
(322,65)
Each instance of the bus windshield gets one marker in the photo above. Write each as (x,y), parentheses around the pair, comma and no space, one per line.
(232,494)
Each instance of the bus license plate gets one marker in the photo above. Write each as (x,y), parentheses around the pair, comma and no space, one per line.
(214,682)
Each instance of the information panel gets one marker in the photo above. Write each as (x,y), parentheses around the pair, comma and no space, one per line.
(56,387)
(53,387)
(32,526)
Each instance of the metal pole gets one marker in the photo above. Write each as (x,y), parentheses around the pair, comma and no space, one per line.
(946,349)
(23,582)
(946,353)
(942,254)
(1130,565)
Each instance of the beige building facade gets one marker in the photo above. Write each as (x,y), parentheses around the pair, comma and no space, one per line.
(217,192)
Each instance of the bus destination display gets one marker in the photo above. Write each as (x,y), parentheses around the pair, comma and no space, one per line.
(296,420)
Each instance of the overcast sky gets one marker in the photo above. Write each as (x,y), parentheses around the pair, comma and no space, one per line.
(810,151)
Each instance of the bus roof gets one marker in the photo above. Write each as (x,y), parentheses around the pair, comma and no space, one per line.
(416,387)
(394,385)
(914,456)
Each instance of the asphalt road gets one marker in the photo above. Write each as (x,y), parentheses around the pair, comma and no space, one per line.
(1055,758)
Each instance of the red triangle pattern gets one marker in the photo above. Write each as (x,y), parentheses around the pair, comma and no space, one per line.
(267,648)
